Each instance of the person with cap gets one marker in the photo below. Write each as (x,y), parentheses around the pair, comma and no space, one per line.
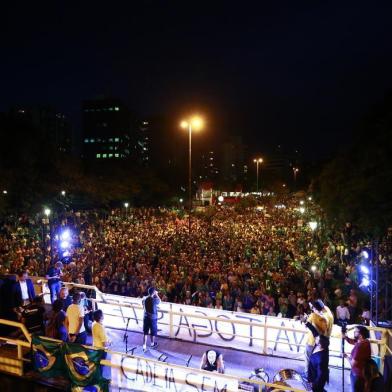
(318,366)
(318,321)
(212,361)
(150,319)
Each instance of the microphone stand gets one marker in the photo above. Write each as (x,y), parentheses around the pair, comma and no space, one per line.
(342,349)
(125,338)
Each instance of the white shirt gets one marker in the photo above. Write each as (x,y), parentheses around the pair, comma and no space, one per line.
(99,335)
(342,313)
(25,292)
(74,313)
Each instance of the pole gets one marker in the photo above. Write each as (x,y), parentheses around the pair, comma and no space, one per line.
(257,176)
(190,175)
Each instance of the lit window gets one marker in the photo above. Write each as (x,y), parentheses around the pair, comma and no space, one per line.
(98,155)
(86,140)
(110,147)
(110,155)
(104,156)
(111,139)
(117,139)
(116,155)
(116,108)
(111,109)
(92,140)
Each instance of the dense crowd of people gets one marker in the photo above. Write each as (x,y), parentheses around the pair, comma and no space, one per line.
(260,260)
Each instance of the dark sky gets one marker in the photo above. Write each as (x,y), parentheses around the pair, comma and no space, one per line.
(297,73)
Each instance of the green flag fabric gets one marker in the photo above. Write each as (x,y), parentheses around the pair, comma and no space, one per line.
(47,357)
(82,365)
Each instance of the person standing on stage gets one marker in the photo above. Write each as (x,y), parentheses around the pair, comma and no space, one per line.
(150,319)
(53,276)
(75,321)
(360,355)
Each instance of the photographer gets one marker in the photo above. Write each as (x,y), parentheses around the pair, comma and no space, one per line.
(360,354)
(150,323)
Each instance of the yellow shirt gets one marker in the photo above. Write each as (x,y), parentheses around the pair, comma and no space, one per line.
(99,335)
(321,325)
(329,319)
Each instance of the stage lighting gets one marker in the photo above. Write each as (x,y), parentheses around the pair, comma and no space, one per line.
(64,244)
(365,282)
(65,235)
(365,269)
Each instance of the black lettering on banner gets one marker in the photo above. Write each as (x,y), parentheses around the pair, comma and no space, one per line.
(181,323)
(232,337)
(123,370)
(284,339)
(250,326)
(205,378)
(169,378)
(148,373)
(298,342)
(217,389)
(139,370)
(187,381)
(155,377)
(196,334)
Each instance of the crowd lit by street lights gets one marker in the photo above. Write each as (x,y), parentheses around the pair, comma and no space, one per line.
(257,161)
(194,123)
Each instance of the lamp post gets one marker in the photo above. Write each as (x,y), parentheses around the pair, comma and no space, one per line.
(47,213)
(126,205)
(257,161)
(295,171)
(193,123)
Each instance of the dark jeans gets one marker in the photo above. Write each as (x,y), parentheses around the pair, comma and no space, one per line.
(357,384)
(54,291)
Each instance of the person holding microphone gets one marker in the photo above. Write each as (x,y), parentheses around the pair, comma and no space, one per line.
(360,355)
(150,319)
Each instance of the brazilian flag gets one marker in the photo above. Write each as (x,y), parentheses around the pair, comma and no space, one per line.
(84,369)
(48,357)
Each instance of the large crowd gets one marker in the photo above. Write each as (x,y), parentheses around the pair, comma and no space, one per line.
(264,260)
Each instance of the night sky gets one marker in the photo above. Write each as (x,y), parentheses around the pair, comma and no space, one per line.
(296,73)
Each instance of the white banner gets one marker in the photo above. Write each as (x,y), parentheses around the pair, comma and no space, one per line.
(241,331)
(143,374)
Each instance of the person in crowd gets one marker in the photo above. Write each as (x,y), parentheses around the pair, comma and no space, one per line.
(53,276)
(342,313)
(55,327)
(374,381)
(150,319)
(360,354)
(75,321)
(22,293)
(324,311)
(65,298)
(212,361)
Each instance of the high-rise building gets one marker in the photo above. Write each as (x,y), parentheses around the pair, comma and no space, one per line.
(106,129)
(142,143)
(232,163)
(208,170)
(52,123)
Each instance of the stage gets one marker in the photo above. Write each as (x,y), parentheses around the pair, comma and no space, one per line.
(237,363)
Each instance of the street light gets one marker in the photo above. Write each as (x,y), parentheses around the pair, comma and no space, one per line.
(313,225)
(4,192)
(47,212)
(295,172)
(257,161)
(126,205)
(62,193)
(193,123)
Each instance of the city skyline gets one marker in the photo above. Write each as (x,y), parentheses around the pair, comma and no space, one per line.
(288,75)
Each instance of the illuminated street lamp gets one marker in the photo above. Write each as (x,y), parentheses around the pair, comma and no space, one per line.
(63,193)
(47,212)
(4,192)
(257,161)
(192,124)
(295,172)
(126,205)
(301,210)
(313,225)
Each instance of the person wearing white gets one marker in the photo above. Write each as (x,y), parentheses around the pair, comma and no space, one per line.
(75,321)
(342,312)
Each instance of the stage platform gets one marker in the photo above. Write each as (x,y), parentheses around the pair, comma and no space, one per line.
(237,363)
